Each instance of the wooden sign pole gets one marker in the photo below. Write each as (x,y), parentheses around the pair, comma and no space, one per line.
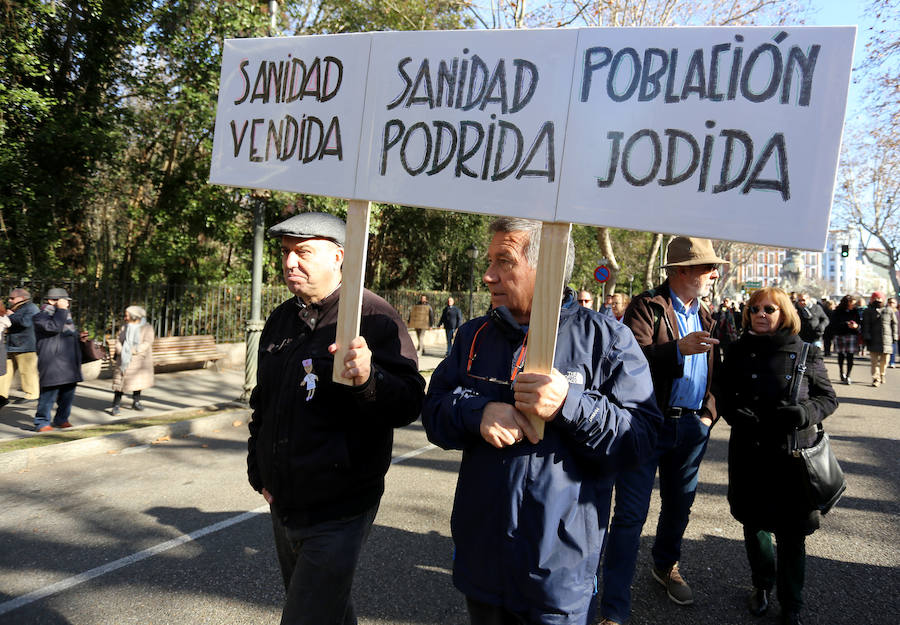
(548,289)
(356,246)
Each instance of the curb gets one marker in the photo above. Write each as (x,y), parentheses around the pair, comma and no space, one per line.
(24,459)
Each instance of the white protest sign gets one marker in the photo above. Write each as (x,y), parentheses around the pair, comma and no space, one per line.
(290,113)
(467,120)
(727,133)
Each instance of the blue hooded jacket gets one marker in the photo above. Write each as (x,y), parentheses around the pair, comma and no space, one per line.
(528,520)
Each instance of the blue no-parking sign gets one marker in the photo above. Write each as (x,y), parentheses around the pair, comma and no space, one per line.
(601,273)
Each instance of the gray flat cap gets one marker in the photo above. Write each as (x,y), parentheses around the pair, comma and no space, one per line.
(57,293)
(311,226)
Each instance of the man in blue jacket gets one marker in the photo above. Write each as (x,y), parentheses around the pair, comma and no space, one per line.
(530,515)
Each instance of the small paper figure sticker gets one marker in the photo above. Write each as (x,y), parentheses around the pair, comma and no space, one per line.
(309,381)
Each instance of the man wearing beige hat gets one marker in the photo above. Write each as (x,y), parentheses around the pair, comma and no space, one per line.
(672,326)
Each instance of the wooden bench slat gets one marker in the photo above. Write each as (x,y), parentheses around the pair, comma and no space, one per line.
(173,350)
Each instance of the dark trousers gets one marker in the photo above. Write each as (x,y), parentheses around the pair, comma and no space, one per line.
(117,397)
(317,564)
(679,451)
(63,396)
(449,332)
(790,572)
(487,614)
(849,358)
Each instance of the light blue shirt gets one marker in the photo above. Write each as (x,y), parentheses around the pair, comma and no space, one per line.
(688,390)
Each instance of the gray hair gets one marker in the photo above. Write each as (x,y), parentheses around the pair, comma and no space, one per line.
(20,293)
(533,245)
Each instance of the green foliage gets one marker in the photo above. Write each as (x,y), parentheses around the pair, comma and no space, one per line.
(106,127)
(631,250)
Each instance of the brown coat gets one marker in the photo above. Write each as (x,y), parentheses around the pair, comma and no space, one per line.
(139,374)
(652,320)
(421,317)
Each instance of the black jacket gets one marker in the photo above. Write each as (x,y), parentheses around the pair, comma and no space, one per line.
(841,319)
(21,329)
(58,347)
(325,457)
(879,328)
(764,488)
(813,322)
(451,318)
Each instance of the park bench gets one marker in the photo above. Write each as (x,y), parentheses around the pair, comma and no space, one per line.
(174,351)
(184,350)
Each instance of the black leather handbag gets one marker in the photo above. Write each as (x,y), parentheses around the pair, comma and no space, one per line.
(820,472)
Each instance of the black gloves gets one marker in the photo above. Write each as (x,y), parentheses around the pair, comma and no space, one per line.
(791,417)
(743,417)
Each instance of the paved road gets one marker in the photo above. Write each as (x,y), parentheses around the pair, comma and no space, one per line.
(133,537)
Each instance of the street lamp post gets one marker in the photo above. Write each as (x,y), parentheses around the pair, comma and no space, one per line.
(255,324)
(472,253)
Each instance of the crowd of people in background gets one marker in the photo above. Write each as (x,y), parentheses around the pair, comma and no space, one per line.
(847,328)
(44,346)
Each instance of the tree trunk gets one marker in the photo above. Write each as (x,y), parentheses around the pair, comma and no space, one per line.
(650,265)
(606,247)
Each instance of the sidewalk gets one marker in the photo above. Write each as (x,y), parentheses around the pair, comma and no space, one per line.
(171,392)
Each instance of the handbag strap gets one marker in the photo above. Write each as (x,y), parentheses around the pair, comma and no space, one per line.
(799,372)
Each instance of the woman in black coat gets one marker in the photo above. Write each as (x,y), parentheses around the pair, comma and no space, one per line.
(765,491)
(844,326)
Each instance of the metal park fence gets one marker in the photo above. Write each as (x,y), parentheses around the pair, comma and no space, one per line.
(221,310)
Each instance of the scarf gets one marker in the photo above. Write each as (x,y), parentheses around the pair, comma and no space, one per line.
(132,340)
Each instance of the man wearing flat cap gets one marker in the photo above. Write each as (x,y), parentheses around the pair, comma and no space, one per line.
(59,360)
(672,325)
(318,450)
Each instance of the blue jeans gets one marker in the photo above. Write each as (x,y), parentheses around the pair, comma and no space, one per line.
(317,565)
(62,396)
(679,450)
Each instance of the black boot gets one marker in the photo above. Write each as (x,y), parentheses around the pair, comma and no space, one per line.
(790,617)
(758,601)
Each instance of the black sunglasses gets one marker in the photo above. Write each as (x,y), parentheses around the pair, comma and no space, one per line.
(582,301)
(769,310)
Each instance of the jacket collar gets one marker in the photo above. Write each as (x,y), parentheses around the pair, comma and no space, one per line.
(514,331)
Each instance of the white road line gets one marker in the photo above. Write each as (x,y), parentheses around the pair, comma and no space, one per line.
(109,567)
(412,454)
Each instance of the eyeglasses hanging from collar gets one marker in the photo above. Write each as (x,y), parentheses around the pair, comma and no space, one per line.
(516,368)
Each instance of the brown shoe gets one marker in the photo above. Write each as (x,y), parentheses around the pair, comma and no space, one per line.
(45,428)
(63,426)
(676,588)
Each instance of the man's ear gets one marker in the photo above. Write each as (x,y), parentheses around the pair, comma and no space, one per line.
(339,257)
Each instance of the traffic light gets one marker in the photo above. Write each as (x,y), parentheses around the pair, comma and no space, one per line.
(845,251)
